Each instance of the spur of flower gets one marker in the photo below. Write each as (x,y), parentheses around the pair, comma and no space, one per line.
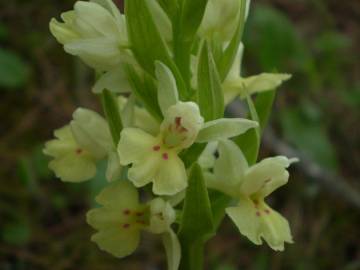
(249,186)
(122,217)
(155,158)
(79,146)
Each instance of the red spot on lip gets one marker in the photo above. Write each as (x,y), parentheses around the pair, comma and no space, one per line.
(139,214)
(267,211)
(258,213)
(182,130)
(178,121)
(156,148)
(125,226)
(79,151)
(165,156)
(126,212)
(140,222)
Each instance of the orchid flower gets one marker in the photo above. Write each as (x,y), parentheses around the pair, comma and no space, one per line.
(249,186)
(155,158)
(95,31)
(80,145)
(235,85)
(121,218)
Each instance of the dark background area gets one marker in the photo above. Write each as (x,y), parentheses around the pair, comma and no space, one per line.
(42,224)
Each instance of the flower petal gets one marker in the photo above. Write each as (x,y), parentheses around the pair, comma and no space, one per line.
(162,215)
(144,171)
(91,132)
(115,80)
(231,164)
(266,176)
(245,218)
(118,242)
(62,32)
(167,90)
(171,177)
(119,195)
(260,223)
(104,218)
(135,145)
(95,17)
(254,84)
(224,128)
(99,53)
(74,168)
(276,230)
(64,143)
(207,157)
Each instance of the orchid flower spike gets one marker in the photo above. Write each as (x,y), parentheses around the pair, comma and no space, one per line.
(121,218)
(155,158)
(250,186)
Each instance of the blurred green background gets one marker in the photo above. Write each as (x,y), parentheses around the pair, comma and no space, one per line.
(42,222)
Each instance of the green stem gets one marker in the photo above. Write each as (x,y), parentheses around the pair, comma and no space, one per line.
(192,257)
(112,113)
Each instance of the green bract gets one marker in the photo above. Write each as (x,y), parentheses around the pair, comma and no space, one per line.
(165,72)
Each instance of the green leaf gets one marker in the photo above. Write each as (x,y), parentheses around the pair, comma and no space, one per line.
(147,43)
(14,72)
(264,104)
(268,23)
(196,222)
(231,50)
(249,142)
(145,90)
(192,12)
(112,113)
(219,202)
(196,208)
(3,32)
(16,233)
(224,128)
(186,25)
(210,95)
(170,7)
(191,155)
(167,91)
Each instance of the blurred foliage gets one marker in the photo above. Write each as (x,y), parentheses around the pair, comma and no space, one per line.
(13,71)
(42,223)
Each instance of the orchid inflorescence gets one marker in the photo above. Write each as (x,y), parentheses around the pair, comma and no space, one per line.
(166,71)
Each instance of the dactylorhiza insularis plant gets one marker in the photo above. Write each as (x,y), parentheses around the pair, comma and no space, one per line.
(165,72)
